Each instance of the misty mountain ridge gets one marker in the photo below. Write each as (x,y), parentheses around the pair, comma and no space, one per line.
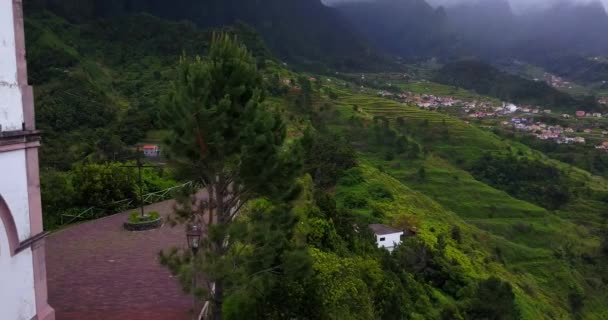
(489,30)
(303,31)
(356,34)
(565,28)
(400,27)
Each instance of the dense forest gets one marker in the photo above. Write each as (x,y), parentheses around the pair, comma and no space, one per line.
(328,42)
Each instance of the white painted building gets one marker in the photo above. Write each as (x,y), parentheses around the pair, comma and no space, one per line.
(386,237)
(23,291)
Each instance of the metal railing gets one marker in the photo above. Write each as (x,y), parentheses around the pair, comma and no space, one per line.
(126,204)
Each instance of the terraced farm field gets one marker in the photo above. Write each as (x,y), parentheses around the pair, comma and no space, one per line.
(528,239)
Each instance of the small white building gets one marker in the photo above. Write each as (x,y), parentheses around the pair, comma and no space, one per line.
(387,237)
(509,108)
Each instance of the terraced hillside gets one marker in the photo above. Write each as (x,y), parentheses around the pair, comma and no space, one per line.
(538,249)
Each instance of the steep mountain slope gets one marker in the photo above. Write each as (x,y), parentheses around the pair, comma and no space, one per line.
(402,27)
(303,31)
(485,26)
(485,79)
(565,28)
(114,71)
(587,70)
(527,240)
(491,30)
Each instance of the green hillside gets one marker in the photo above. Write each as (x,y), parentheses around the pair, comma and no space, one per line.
(485,79)
(478,212)
(541,250)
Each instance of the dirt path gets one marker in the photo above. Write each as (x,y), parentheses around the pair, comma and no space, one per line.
(98,271)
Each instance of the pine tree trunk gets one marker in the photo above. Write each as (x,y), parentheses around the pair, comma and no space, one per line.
(218,296)
(222,219)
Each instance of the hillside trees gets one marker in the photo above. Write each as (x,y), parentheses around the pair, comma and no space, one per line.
(527,179)
(223,135)
(326,157)
(494,300)
(97,185)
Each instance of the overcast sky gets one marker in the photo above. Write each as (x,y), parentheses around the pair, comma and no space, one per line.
(517,5)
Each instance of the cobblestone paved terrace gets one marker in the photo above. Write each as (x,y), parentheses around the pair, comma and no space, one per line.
(98,271)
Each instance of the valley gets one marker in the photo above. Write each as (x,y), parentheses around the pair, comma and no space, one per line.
(504,178)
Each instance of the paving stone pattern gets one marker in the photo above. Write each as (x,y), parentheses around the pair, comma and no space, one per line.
(99,271)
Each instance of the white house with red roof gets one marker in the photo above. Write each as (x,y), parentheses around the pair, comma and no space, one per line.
(151,150)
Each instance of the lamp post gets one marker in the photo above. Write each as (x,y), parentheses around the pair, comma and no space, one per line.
(194,240)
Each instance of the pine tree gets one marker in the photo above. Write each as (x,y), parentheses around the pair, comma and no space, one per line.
(223,136)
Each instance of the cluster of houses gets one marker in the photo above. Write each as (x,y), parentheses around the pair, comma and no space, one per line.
(506,109)
(433,102)
(584,114)
(546,132)
(482,109)
(556,81)
(473,108)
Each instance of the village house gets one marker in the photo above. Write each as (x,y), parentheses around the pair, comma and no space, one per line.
(587,131)
(597,115)
(387,237)
(510,108)
(546,135)
(566,116)
(579,140)
(547,111)
(580,113)
(603,146)
(151,150)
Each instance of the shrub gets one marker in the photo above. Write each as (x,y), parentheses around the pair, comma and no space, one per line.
(135,217)
(354,201)
(406,221)
(379,192)
(456,234)
(494,300)
(352,177)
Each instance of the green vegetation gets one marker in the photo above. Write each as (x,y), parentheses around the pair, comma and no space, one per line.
(531,180)
(503,230)
(486,80)
(108,187)
(136,217)
(223,135)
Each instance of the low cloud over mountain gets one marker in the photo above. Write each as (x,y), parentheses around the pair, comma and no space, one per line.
(518,6)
